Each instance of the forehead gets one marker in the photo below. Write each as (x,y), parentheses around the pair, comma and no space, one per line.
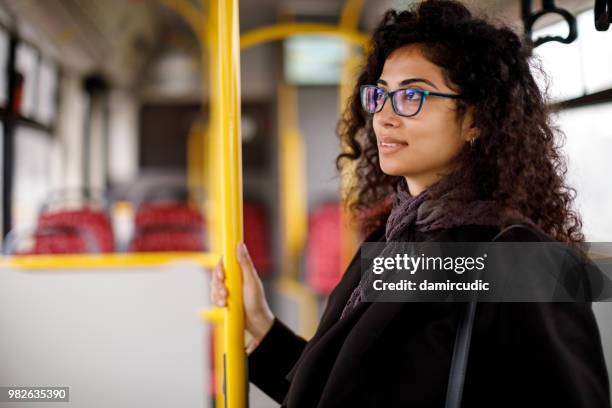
(408,62)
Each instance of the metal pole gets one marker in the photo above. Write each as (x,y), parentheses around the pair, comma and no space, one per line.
(225,113)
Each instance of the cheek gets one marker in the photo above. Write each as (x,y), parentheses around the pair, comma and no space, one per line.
(436,143)
(433,145)
(376,126)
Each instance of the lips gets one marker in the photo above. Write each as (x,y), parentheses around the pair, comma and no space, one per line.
(391,144)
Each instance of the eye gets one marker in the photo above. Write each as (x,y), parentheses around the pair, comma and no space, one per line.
(379,94)
(411,94)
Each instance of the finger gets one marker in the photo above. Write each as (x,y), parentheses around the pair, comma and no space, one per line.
(214,281)
(219,301)
(213,296)
(218,296)
(216,289)
(219,272)
(221,297)
(218,286)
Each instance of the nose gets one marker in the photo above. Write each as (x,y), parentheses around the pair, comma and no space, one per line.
(386,117)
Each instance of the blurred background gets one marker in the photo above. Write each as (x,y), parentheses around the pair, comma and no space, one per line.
(104,112)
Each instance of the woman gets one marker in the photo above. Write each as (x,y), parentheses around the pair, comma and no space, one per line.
(449,131)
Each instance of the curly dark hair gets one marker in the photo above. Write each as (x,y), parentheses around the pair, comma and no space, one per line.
(515,161)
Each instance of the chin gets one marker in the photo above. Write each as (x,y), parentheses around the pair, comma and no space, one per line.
(392,170)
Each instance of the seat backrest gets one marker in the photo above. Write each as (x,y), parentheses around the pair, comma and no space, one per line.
(324,248)
(96,222)
(168,226)
(61,240)
(257,236)
(174,214)
(168,241)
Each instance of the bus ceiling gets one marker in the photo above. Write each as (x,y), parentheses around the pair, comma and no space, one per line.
(121,38)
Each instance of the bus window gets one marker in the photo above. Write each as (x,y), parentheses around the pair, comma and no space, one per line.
(561,62)
(31,177)
(580,68)
(575,71)
(596,53)
(314,60)
(27,66)
(4,50)
(589,137)
(47,93)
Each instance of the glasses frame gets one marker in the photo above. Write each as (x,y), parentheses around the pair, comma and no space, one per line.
(389,95)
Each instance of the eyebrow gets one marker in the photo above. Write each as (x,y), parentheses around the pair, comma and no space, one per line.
(407,82)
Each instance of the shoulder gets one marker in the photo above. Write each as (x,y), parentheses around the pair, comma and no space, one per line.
(523,232)
(468,233)
(376,235)
(518,232)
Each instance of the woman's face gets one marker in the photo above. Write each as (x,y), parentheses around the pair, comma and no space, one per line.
(421,148)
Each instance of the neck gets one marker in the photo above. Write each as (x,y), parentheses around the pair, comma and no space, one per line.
(419,183)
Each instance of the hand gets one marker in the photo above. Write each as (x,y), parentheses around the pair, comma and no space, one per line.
(258,317)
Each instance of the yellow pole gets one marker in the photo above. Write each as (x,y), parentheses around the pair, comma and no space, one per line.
(195,162)
(213,170)
(292,181)
(349,18)
(294,211)
(188,11)
(225,114)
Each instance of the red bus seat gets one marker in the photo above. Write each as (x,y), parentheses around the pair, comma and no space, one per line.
(95,222)
(257,237)
(324,248)
(168,226)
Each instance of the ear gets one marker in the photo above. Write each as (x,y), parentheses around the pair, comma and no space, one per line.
(468,130)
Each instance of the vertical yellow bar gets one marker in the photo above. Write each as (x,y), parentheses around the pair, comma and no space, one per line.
(225,85)
(211,176)
(195,161)
(294,214)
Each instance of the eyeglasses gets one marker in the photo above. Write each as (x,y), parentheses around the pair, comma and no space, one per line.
(405,102)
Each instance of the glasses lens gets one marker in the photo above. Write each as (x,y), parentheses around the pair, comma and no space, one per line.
(372,98)
(407,101)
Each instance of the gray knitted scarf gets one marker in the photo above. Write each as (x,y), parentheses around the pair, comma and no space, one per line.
(423,213)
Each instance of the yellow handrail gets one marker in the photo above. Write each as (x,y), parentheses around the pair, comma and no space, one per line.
(225,118)
(196,176)
(189,12)
(113,260)
(280,31)
(292,183)
(349,18)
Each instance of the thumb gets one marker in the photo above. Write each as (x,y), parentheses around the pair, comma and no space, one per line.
(244,259)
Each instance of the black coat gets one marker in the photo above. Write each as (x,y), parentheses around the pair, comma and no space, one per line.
(399,354)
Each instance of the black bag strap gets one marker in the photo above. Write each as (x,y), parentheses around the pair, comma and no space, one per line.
(456,378)
(460,356)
